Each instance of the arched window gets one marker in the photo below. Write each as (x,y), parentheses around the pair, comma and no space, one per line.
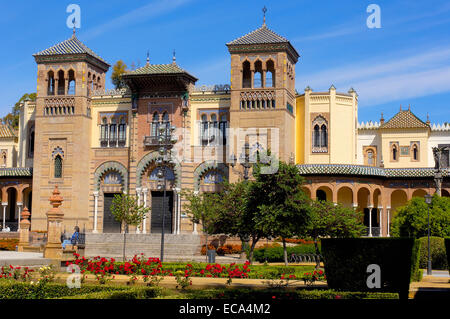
(320,135)
(89,83)
(394,153)
(204,129)
(61,83)
(258,79)
(31,142)
(4,159)
(270,74)
(415,152)
(223,124)
(155,124)
(51,83)
(316,136)
(122,131)
(324,136)
(71,88)
(246,75)
(370,157)
(113,132)
(104,132)
(58,166)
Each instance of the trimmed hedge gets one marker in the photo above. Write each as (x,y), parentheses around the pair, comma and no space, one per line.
(275,254)
(25,290)
(128,293)
(283,294)
(447,248)
(346,261)
(438,254)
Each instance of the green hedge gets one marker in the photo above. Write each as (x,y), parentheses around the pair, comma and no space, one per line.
(271,294)
(128,293)
(447,248)
(275,254)
(25,290)
(438,254)
(346,261)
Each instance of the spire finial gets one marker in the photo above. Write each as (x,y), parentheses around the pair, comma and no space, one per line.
(400,107)
(264,10)
(174,59)
(148,57)
(409,107)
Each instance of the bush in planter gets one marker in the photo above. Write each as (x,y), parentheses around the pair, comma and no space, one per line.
(275,254)
(346,261)
(438,254)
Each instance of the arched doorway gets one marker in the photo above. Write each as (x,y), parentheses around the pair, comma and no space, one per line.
(345,196)
(324,193)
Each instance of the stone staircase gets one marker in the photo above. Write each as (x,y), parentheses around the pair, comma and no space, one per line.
(176,247)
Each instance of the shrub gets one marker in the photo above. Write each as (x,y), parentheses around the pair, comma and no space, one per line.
(8,244)
(25,290)
(447,248)
(283,294)
(275,254)
(346,261)
(131,293)
(438,254)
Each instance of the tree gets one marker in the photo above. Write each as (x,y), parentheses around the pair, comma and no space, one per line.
(116,77)
(283,207)
(336,221)
(126,210)
(411,220)
(202,208)
(12,118)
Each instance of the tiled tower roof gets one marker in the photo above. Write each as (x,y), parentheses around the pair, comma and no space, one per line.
(405,119)
(16,172)
(171,68)
(260,35)
(70,46)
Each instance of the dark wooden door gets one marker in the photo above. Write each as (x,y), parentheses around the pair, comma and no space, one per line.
(110,225)
(157,212)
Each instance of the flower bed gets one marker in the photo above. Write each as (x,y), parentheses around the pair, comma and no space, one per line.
(8,244)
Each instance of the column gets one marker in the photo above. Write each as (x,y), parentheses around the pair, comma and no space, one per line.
(4,215)
(388,225)
(195,224)
(370,220)
(380,208)
(144,222)
(19,210)
(177,211)
(95,212)
(138,192)
(179,215)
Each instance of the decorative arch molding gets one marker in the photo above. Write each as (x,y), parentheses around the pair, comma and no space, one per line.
(205,167)
(108,166)
(145,162)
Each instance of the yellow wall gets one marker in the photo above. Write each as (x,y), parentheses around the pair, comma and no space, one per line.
(404,137)
(106,104)
(299,130)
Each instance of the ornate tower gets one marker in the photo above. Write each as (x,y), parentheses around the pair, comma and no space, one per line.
(263,90)
(68,73)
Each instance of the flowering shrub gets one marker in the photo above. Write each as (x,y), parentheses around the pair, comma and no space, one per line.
(184,280)
(47,274)
(311,278)
(223,250)
(16,273)
(298,241)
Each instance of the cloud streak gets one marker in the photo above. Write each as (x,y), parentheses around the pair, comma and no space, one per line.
(379,81)
(154,9)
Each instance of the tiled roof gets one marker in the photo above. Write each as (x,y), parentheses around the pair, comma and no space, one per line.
(70,46)
(360,170)
(404,119)
(6,131)
(171,68)
(16,172)
(260,35)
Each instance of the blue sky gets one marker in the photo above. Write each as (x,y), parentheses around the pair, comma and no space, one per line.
(406,61)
